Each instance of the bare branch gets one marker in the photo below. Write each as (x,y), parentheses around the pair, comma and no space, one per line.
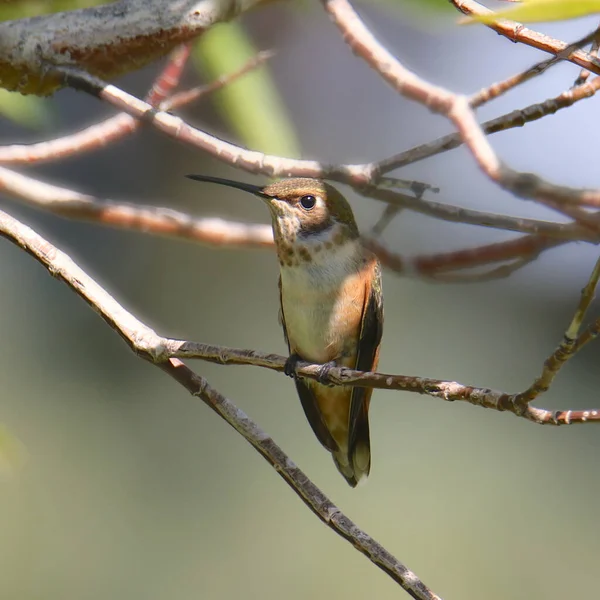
(457,214)
(121,125)
(584,74)
(568,346)
(457,109)
(146,343)
(516,118)
(523,250)
(518,33)
(135,217)
(107,40)
(358,176)
(150,346)
(217,232)
(100,134)
(449,391)
(498,89)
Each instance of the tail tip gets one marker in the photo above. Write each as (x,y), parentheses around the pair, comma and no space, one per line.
(355,474)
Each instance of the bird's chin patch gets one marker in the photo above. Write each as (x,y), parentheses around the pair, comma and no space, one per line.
(315,232)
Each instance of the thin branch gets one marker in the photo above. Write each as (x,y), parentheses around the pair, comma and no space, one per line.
(176,128)
(584,74)
(217,232)
(358,176)
(457,214)
(308,492)
(498,89)
(518,33)
(150,346)
(134,217)
(492,274)
(457,109)
(449,391)
(568,347)
(100,134)
(147,344)
(121,125)
(516,118)
(523,249)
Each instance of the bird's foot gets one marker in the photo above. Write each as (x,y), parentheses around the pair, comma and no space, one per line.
(290,365)
(323,376)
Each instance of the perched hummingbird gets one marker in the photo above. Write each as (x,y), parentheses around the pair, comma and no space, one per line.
(331,308)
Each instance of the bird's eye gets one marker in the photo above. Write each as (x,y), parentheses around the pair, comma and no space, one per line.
(308,202)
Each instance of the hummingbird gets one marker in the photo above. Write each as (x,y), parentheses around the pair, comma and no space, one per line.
(331,309)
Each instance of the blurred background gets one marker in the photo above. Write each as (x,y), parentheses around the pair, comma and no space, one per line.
(125,486)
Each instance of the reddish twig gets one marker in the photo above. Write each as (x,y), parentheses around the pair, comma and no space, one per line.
(134,217)
(217,232)
(518,33)
(456,108)
(121,125)
(516,118)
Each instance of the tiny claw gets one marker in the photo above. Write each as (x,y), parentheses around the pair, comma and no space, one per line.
(323,375)
(290,365)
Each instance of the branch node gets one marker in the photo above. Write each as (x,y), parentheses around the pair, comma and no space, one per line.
(150,346)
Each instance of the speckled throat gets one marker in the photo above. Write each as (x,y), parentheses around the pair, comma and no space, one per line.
(295,247)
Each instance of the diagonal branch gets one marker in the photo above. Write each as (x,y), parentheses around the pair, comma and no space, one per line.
(147,344)
(309,493)
(569,346)
(134,217)
(518,33)
(360,176)
(456,108)
(120,125)
(516,118)
(498,89)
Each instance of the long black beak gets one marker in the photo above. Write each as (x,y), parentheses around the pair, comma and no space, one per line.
(246,187)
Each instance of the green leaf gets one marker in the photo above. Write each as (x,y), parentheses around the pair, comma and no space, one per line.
(533,11)
(28,111)
(251,105)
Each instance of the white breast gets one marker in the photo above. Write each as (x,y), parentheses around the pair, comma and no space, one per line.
(316,304)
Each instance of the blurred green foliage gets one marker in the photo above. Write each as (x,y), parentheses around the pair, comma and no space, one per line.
(251,105)
(32,8)
(11,452)
(28,111)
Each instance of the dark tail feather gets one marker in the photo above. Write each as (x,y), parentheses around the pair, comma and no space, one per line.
(355,464)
